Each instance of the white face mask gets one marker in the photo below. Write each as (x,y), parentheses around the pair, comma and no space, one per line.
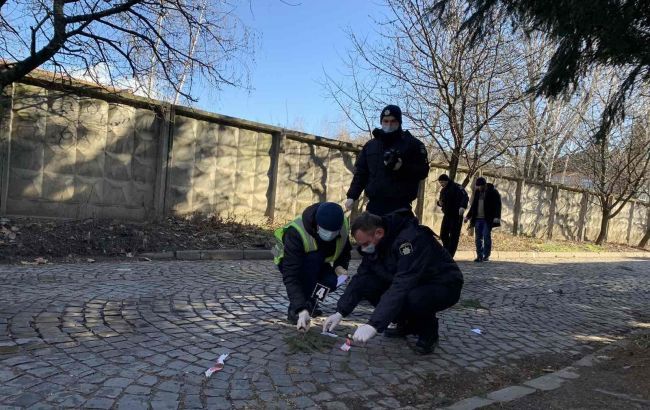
(327,235)
(388,129)
(368,249)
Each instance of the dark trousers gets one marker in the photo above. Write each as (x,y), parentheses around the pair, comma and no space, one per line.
(383,207)
(483,234)
(421,305)
(450,232)
(315,270)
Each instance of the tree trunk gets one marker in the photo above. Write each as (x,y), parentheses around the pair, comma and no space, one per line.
(646,237)
(602,236)
(453,164)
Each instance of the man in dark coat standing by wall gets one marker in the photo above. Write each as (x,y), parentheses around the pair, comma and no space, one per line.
(405,273)
(453,201)
(389,167)
(484,215)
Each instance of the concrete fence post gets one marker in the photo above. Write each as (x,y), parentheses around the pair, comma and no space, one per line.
(582,216)
(165,139)
(551,211)
(6,119)
(419,206)
(516,212)
(277,148)
(630,222)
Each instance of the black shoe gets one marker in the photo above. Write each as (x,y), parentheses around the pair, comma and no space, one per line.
(292,317)
(398,331)
(486,259)
(425,345)
(478,260)
(428,338)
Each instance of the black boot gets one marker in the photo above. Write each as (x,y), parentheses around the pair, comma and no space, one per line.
(428,339)
(292,317)
(401,330)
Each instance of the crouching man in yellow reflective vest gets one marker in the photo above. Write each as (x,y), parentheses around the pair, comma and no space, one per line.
(312,249)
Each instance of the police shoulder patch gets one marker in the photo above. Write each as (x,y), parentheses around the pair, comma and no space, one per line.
(406,248)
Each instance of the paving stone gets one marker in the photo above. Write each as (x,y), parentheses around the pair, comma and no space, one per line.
(471,403)
(117,382)
(510,393)
(99,403)
(546,382)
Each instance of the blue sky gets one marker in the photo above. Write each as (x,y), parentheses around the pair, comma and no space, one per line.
(295,44)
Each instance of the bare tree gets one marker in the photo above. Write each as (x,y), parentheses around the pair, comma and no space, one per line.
(455,96)
(125,43)
(618,162)
(548,125)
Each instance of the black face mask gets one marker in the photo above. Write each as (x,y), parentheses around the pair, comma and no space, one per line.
(387,137)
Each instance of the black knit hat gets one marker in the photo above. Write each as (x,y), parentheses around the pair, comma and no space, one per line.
(392,110)
(329,215)
(443,177)
(480,181)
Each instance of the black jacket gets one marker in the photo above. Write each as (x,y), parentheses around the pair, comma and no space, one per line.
(452,197)
(408,256)
(294,251)
(381,184)
(492,206)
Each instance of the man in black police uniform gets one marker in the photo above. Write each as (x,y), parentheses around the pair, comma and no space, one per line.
(389,167)
(405,273)
(313,248)
(453,201)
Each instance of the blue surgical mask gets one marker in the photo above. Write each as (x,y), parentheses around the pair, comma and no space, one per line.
(327,235)
(388,129)
(368,249)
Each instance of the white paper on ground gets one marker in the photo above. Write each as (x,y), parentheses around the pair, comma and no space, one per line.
(347,345)
(477,331)
(330,334)
(217,366)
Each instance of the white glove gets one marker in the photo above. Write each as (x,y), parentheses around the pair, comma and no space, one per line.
(348,204)
(331,322)
(303,321)
(461,211)
(496,220)
(364,333)
(398,165)
(340,270)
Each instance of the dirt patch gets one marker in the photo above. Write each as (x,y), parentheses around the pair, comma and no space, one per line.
(440,391)
(25,239)
(502,241)
(620,380)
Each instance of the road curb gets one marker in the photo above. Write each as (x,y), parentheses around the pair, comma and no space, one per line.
(542,383)
(265,254)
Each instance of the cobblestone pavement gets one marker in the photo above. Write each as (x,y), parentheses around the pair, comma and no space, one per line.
(133,335)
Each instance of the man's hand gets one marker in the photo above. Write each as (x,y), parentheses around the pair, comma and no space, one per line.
(461,211)
(303,321)
(496,221)
(340,270)
(348,204)
(331,322)
(364,333)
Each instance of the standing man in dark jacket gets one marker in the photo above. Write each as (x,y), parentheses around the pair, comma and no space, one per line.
(389,167)
(453,201)
(312,249)
(484,215)
(405,273)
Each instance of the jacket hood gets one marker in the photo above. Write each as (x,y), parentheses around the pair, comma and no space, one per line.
(309,219)
(394,223)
